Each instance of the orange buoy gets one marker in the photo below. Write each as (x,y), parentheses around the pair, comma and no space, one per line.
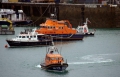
(6,46)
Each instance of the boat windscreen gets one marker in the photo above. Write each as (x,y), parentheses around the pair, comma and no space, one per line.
(56,58)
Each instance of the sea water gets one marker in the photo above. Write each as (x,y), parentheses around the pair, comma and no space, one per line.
(94,56)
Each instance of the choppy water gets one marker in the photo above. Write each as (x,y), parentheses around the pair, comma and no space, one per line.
(97,56)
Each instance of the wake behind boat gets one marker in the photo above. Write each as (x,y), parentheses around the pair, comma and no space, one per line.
(54,61)
(30,38)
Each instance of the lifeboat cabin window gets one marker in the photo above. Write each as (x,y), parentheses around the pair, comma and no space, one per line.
(42,27)
(52,58)
(60,27)
(56,59)
(51,27)
(30,36)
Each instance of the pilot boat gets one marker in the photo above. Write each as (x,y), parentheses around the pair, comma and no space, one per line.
(59,30)
(30,38)
(54,61)
(84,29)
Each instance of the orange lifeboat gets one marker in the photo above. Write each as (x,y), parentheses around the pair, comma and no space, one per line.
(59,29)
(54,60)
(52,26)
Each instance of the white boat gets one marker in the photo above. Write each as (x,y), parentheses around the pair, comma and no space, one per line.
(30,38)
(84,28)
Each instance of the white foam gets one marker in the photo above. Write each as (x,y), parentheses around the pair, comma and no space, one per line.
(93,57)
(100,56)
(96,58)
(38,66)
(108,60)
(80,62)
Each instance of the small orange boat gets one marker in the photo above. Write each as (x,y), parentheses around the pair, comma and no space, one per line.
(60,30)
(54,60)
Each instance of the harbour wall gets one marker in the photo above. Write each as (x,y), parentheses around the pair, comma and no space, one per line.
(100,16)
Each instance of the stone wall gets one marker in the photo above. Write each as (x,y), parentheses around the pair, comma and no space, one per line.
(100,17)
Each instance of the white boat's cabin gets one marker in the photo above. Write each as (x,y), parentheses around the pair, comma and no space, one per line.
(25,37)
(82,29)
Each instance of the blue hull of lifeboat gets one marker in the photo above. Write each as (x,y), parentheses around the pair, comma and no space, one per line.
(67,37)
(55,67)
